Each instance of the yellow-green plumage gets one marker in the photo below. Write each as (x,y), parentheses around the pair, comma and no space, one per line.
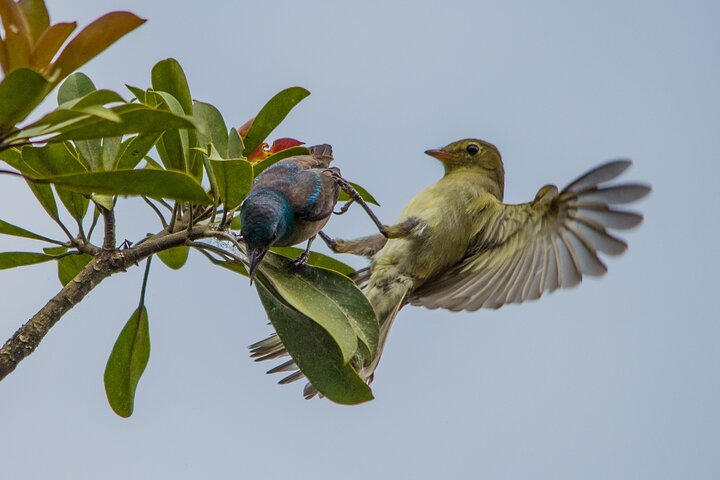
(467,250)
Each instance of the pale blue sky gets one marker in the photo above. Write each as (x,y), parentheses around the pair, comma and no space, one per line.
(614,379)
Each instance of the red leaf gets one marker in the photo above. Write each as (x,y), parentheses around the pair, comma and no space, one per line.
(284,143)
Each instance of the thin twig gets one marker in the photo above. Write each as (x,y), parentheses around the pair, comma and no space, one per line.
(62,226)
(81,230)
(173,218)
(96,216)
(7,135)
(217,250)
(191,218)
(165,204)
(354,195)
(157,211)
(208,256)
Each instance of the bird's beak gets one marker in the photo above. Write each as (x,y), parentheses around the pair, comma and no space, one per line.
(255,256)
(439,153)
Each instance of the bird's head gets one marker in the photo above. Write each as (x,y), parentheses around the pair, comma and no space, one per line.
(471,153)
(266,218)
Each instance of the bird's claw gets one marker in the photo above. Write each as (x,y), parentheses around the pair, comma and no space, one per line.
(400,230)
(298,262)
(331,243)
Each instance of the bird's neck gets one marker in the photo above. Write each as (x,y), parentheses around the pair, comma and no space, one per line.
(486,179)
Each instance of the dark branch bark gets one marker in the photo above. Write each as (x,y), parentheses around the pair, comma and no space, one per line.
(105,263)
(109,219)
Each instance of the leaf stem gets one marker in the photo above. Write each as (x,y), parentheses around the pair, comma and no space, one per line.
(144,283)
(157,211)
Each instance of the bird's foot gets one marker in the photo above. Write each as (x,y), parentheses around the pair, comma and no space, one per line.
(298,262)
(332,244)
(402,229)
(345,207)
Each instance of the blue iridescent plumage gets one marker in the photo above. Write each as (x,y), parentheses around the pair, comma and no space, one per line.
(289,203)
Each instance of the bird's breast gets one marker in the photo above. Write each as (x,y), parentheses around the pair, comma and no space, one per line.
(301,230)
(443,236)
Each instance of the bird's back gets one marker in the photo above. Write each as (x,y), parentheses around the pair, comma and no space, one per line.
(310,192)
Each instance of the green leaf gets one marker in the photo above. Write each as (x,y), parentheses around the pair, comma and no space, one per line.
(236,223)
(55,250)
(315,259)
(235,144)
(216,131)
(12,157)
(91,152)
(233,178)
(110,152)
(174,257)
(74,87)
(168,76)
(45,196)
(79,92)
(236,267)
(20,92)
(344,197)
(71,265)
(127,362)
(105,201)
(20,259)
(51,159)
(146,182)
(281,155)
(93,39)
(10,229)
(56,159)
(62,119)
(134,149)
(93,99)
(173,146)
(271,115)
(343,293)
(140,94)
(134,118)
(328,298)
(315,352)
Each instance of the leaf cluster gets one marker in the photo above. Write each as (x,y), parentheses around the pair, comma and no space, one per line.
(192,170)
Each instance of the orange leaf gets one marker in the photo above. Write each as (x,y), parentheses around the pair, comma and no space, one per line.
(93,39)
(245,128)
(259,154)
(18,41)
(49,43)
(36,15)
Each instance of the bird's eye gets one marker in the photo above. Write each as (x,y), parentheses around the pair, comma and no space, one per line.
(472,149)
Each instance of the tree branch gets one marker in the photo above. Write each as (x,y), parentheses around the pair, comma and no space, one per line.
(109,219)
(106,263)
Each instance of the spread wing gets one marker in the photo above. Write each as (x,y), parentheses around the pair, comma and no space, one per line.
(537,247)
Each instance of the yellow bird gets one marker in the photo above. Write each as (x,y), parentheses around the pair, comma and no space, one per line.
(462,248)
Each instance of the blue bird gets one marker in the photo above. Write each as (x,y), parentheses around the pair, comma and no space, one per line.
(289,203)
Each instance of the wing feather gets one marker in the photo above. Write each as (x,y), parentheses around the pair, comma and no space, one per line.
(529,249)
